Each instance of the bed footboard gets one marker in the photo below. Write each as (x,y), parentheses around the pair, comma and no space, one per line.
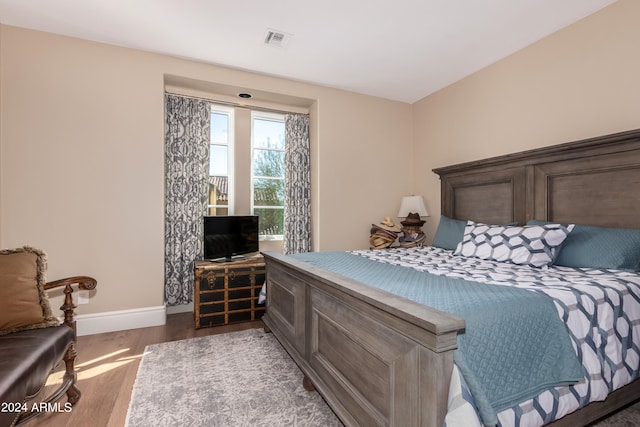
(377,359)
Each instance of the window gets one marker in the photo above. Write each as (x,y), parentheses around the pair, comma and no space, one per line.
(220,161)
(268,142)
(256,184)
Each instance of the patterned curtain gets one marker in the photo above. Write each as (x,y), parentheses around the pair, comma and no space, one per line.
(186,191)
(297,210)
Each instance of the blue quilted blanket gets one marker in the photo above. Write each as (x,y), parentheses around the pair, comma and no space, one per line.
(514,345)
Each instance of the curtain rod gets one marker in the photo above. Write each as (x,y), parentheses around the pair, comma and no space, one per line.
(235,104)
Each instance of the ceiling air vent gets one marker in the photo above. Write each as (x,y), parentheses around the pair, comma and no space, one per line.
(276,38)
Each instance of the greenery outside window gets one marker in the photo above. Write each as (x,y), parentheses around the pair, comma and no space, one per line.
(268,143)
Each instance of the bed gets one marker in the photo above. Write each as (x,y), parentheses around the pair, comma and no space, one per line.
(379,358)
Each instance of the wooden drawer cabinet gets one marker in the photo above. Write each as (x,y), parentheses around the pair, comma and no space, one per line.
(227,292)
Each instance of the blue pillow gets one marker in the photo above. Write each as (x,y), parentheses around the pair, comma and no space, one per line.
(450,232)
(588,246)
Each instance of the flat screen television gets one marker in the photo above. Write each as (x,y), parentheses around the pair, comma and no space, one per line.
(229,237)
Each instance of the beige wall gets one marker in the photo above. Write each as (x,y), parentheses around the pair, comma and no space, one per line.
(82,175)
(577,83)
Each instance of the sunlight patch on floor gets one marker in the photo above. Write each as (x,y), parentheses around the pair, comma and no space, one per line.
(97,366)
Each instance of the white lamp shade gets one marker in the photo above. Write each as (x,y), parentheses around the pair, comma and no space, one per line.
(412,204)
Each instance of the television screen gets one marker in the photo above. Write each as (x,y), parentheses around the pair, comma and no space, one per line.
(227,237)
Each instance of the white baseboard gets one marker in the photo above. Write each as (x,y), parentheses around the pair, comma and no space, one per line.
(98,323)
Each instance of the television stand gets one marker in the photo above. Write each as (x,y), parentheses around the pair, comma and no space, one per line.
(227,291)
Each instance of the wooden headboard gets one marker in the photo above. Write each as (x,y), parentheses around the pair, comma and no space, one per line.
(595,181)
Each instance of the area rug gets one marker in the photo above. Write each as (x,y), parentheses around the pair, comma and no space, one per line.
(236,379)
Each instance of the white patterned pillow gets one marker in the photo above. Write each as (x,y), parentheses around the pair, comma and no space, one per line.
(532,245)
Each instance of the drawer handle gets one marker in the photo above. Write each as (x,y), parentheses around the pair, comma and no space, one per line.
(211,279)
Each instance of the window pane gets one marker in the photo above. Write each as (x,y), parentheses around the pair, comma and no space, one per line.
(268,134)
(268,192)
(268,163)
(219,128)
(268,142)
(218,195)
(271,221)
(218,156)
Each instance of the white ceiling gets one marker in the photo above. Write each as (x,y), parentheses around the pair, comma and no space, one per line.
(396,49)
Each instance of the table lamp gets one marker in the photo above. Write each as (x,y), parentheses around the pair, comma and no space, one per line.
(412,209)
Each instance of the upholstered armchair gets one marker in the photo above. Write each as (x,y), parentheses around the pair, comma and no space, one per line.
(32,340)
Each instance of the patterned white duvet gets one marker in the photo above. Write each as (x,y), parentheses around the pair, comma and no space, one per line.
(601,309)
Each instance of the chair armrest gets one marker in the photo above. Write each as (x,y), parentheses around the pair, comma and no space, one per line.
(84,283)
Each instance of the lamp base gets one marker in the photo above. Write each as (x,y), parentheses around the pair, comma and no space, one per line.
(412,236)
(411,229)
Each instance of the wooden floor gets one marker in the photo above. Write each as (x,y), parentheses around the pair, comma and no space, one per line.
(107,365)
